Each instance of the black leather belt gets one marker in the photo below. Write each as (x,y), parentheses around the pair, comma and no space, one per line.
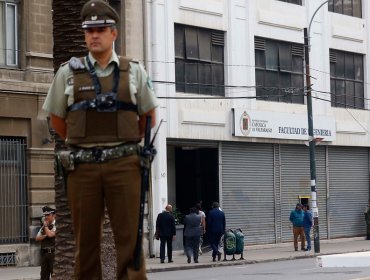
(48,250)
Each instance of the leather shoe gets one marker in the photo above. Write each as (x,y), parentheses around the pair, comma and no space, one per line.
(189,260)
(162,261)
(214,259)
(196,261)
(170,261)
(219,256)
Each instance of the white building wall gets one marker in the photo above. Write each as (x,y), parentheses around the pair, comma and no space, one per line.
(242,20)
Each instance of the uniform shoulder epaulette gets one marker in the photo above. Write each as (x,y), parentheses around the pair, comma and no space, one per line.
(75,63)
(134,60)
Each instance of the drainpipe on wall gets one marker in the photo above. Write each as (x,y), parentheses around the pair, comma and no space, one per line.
(150,192)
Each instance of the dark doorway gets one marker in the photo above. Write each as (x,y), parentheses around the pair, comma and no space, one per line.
(196,177)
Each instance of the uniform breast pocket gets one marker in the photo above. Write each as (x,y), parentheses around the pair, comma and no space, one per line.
(76,124)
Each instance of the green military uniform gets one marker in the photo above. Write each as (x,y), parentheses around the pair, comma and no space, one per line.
(367,218)
(107,165)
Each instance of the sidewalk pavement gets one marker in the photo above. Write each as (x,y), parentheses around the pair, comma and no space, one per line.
(252,254)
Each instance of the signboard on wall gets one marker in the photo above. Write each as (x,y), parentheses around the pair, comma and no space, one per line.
(249,123)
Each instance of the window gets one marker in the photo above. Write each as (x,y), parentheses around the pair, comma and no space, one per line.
(8,33)
(346,79)
(199,59)
(346,7)
(13,191)
(298,2)
(279,71)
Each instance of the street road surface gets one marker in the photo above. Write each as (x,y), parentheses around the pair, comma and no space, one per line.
(303,269)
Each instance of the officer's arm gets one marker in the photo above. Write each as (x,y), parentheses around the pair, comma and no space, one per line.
(142,120)
(59,124)
(49,233)
(39,236)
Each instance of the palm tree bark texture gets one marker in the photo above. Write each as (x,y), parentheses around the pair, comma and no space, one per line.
(69,41)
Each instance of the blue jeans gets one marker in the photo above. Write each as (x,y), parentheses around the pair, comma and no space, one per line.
(307,231)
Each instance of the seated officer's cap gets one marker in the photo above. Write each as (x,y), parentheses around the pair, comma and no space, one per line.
(98,13)
(46,210)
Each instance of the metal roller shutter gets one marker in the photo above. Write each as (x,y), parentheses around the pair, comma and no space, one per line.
(247,171)
(295,181)
(349,190)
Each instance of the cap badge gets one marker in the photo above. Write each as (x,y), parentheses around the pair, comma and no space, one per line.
(94,17)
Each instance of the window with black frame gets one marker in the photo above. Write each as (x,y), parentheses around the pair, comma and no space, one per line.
(279,71)
(8,33)
(346,7)
(199,59)
(297,2)
(346,79)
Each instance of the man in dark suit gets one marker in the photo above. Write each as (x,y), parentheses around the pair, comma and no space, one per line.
(166,232)
(216,224)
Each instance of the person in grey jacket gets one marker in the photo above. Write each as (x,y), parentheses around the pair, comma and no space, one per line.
(192,233)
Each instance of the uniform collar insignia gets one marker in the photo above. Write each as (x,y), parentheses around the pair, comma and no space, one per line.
(94,17)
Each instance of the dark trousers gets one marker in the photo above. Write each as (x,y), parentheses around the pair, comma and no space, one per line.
(164,240)
(115,183)
(47,262)
(192,246)
(214,241)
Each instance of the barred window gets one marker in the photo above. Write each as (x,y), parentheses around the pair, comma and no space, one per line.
(8,33)
(13,191)
(199,59)
(297,2)
(346,79)
(279,71)
(346,7)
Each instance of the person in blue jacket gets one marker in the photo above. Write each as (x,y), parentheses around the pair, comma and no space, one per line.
(216,224)
(307,224)
(296,218)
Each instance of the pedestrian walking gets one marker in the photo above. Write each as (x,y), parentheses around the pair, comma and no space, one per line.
(296,218)
(192,232)
(166,232)
(98,104)
(202,215)
(307,225)
(216,224)
(46,236)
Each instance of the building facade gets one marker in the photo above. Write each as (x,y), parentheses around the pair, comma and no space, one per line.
(230,76)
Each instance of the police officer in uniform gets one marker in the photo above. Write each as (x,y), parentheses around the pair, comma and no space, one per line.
(99,104)
(46,236)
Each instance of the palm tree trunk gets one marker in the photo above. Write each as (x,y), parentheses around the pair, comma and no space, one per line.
(69,41)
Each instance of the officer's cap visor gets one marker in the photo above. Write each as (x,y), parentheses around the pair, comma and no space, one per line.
(98,23)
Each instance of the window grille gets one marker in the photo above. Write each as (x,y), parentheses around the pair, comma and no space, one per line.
(13,191)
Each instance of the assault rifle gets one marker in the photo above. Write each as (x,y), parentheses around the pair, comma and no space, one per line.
(147,154)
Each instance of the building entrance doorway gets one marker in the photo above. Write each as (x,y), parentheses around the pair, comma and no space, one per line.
(197,177)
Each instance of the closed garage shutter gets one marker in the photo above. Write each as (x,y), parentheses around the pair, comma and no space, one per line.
(295,181)
(247,171)
(349,191)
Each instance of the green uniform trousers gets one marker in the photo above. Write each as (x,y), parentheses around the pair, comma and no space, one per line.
(117,184)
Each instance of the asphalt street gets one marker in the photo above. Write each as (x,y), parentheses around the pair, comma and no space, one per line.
(302,269)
